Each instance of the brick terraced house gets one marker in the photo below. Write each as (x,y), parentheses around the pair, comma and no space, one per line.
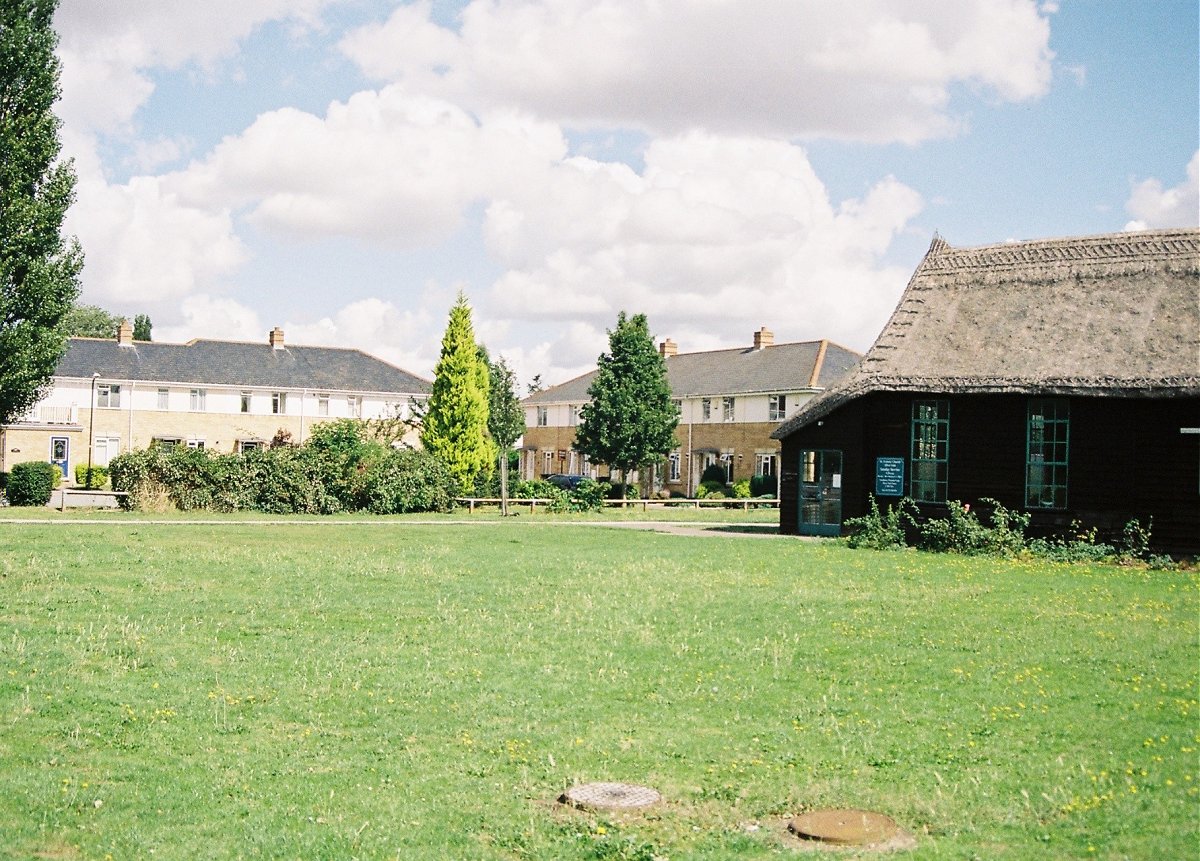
(220,395)
(730,401)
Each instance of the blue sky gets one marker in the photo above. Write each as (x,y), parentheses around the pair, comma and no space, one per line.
(344,167)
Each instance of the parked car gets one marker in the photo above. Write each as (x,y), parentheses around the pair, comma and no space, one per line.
(566,482)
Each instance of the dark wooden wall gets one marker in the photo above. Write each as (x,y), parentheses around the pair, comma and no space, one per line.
(1127,460)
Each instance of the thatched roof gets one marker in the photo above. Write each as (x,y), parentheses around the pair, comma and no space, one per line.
(1114,315)
(795,367)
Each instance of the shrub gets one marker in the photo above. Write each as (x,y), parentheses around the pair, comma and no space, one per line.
(403,480)
(32,483)
(962,532)
(716,473)
(589,495)
(1135,539)
(741,489)
(878,531)
(98,478)
(762,485)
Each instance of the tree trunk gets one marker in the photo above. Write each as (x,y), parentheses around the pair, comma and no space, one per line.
(504,484)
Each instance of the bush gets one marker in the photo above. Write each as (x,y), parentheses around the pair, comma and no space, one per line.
(962,532)
(98,478)
(403,480)
(877,531)
(741,489)
(589,495)
(32,483)
(715,473)
(762,485)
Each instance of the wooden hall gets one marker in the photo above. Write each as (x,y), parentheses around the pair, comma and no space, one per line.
(1060,377)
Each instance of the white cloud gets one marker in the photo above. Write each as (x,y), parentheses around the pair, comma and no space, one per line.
(873,70)
(216,317)
(716,237)
(1153,206)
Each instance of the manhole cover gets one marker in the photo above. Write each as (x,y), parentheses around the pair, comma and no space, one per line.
(610,796)
(844,827)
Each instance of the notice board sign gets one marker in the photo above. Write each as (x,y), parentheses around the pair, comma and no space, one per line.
(889,476)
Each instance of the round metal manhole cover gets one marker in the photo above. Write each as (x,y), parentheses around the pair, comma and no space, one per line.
(610,796)
(844,827)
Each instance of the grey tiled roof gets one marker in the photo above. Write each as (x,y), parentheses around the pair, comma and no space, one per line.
(1112,315)
(743,370)
(236,363)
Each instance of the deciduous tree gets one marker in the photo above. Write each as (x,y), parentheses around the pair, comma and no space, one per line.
(39,269)
(506,418)
(630,419)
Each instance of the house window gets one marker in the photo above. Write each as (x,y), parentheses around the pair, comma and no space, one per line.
(279,403)
(246,445)
(108,395)
(1046,454)
(245,402)
(727,462)
(543,417)
(166,443)
(705,409)
(354,406)
(322,405)
(776,409)
(764,464)
(930,450)
(195,443)
(104,449)
(164,399)
(727,409)
(673,462)
(573,416)
(197,399)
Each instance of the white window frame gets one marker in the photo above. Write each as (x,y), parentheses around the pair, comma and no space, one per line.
(674,461)
(245,445)
(104,449)
(543,417)
(195,443)
(279,403)
(777,408)
(323,404)
(108,396)
(728,404)
(705,409)
(354,406)
(763,459)
(247,401)
(166,443)
(197,400)
(573,414)
(164,399)
(547,462)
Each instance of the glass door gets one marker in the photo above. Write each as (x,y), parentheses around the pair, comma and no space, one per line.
(820,492)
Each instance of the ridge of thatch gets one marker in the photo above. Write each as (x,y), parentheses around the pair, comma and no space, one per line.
(1116,315)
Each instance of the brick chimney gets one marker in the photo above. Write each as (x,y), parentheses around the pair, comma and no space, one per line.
(668,348)
(764,337)
(125,334)
(276,338)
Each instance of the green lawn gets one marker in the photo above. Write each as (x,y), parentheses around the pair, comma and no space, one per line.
(398,690)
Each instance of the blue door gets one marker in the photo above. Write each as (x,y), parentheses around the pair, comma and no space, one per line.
(60,452)
(820,492)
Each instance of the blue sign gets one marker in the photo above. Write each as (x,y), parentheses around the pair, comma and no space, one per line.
(889,476)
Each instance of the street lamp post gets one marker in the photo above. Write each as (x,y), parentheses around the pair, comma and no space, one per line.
(87,481)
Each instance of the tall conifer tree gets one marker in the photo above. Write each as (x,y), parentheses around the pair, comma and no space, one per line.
(39,270)
(456,422)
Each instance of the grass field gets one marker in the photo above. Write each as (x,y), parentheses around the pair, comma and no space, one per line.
(426,691)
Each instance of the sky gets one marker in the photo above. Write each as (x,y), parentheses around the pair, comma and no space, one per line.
(345,168)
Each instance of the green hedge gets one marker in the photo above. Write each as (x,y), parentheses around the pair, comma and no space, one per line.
(98,480)
(32,483)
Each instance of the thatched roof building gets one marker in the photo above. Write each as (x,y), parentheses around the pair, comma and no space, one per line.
(1116,315)
(1061,377)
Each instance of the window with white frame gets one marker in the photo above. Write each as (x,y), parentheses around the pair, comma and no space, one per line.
(705,409)
(195,443)
(727,462)
(674,459)
(323,405)
(197,398)
(727,409)
(777,408)
(573,416)
(166,443)
(543,417)
(164,399)
(547,462)
(278,403)
(108,395)
(246,400)
(245,445)
(354,406)
(764,464)
(104,449)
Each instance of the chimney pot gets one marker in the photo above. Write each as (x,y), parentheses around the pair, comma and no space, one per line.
(125,334)
(276,338)
(668,348)
(764,337)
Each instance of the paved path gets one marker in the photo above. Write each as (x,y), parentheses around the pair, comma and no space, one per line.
(731,529)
